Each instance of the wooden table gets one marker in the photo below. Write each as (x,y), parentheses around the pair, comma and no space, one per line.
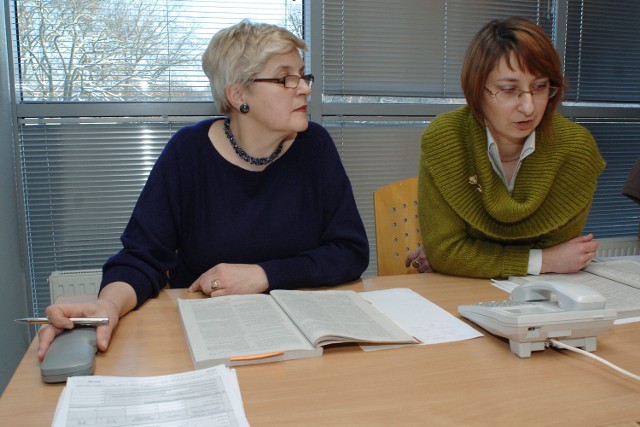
(468,383)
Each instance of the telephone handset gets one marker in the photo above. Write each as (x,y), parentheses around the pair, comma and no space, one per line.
(569,312)
(569,296)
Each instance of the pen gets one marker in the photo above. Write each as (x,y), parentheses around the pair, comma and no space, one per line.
(80,321)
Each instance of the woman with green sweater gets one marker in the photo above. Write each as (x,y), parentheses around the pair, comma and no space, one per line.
(505,183)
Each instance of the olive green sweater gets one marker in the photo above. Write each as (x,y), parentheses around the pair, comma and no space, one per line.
(489,233)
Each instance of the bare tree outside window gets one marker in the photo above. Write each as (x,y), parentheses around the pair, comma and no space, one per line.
(294,21)
(120,50)
(87,50)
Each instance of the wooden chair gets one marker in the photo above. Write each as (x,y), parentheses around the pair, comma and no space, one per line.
(395,208)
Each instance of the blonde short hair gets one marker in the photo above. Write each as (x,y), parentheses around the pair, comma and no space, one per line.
(236,54)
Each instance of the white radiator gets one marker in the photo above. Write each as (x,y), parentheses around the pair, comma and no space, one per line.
(74,282)
(619,246)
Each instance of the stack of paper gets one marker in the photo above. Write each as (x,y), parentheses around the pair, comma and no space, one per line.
(204,397)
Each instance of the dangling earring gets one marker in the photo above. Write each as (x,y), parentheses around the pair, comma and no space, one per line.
(244,108)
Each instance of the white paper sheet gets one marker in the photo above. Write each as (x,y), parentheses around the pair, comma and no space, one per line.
(420,317)
(198,398)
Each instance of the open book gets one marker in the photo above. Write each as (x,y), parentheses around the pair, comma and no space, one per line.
(618,281)
(623,271)
(287,324)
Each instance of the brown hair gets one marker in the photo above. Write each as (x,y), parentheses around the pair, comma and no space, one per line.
(531,48)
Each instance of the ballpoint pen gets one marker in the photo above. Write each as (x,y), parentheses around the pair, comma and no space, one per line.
(80,321)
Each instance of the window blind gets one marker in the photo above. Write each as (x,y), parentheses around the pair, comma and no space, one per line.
(413,48)
(602,63)
(612,213)
(81,179)
(602,56)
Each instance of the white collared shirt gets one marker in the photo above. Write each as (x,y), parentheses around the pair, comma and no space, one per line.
(535,255)
(494,157)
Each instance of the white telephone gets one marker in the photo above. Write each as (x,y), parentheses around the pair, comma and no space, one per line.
(572,313)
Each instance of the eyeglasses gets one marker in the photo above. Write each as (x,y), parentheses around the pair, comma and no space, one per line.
(511,95)
(291,81)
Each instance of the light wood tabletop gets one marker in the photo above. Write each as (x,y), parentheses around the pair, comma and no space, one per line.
(476,382)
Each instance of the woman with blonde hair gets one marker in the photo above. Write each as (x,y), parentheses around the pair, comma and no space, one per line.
(253,201)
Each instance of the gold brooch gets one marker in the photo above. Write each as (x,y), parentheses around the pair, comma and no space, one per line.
(473,180)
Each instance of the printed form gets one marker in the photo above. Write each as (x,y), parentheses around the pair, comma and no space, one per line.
(197,398)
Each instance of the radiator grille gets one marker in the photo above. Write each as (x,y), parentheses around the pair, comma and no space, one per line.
(619,246)
(74,282)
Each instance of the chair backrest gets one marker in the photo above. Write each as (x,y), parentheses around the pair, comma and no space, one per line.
(397,227)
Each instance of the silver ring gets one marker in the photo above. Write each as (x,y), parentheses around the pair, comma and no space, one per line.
(416,263)
(214,286)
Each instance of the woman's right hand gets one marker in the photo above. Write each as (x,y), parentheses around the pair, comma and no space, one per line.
(116,299)
(59,315)
(570,256)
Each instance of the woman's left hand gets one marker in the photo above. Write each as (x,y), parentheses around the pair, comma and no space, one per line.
(418,259)
(570,256)
(230,279)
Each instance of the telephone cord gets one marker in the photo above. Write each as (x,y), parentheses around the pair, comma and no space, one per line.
(560,344)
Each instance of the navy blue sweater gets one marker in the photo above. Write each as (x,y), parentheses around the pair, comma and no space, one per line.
(297,219)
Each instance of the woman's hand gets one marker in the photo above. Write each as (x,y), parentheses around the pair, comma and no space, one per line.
(230,279)
(570,256)
(59,315)
(418,259)
(116,299)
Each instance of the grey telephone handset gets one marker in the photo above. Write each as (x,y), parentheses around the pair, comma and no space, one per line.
(73,352)
(572,313)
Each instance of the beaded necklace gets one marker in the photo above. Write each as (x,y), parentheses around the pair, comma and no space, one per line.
(260,161)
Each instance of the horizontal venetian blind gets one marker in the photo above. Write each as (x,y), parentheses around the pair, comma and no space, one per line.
(602,63)
(612,213)
(81,179)
(602,56)
(408,48)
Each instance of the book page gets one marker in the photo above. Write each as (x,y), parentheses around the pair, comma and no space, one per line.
(622,298)
(623,271)
(329,317)
(232,326)
(423,319)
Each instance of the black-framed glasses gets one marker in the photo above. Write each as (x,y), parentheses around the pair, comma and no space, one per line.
(291,81)
(512,95)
